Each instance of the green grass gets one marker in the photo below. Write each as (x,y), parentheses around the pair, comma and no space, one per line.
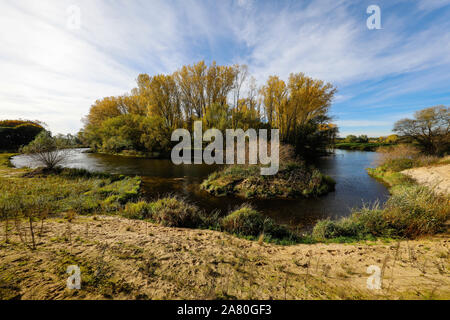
(66,190)
(391,178)
(368,146)
(5,159)
(411,211)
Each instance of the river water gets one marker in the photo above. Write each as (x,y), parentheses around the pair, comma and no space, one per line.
(161,177)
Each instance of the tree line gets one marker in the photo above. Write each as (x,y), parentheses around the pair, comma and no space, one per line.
(222,97)
(17,133)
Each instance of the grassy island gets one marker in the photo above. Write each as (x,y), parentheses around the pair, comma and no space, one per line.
(293,180)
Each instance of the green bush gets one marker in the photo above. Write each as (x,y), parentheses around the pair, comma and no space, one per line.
(247,221)
(174,212)
(138,210)
(346,227)
(244,221)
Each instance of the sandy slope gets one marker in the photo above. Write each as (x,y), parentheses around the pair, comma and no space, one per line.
(437,177)
(130,259)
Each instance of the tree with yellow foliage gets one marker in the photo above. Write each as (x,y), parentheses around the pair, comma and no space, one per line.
(222,97)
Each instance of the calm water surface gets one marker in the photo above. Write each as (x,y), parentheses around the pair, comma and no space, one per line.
(160,177)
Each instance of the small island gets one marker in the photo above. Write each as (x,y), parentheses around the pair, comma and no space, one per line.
(293,180)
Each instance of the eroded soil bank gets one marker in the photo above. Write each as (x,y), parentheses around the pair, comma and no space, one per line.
(435,177)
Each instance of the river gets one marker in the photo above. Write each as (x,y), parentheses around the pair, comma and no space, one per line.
(160,177)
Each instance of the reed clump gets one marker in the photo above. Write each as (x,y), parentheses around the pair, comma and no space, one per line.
(411,211)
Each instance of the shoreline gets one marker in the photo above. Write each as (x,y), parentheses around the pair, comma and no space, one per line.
(123,258)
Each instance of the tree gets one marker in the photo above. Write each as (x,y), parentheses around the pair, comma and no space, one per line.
(274,97)
(47,150)
(363,139)
(17,133)
(429,129)
(393,138)
(299,110)
(221,97)
(351,138)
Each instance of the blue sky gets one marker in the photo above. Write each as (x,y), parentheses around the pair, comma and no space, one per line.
(54,73)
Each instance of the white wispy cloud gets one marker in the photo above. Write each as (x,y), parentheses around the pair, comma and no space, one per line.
(52,73)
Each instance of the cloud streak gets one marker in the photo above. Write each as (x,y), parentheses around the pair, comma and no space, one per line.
(52,73)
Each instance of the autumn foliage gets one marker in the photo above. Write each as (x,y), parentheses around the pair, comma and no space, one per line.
(222,97)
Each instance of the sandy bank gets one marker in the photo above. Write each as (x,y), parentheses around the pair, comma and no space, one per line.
(131,259)
(437,177)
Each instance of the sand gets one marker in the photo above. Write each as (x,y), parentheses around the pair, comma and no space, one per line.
(131,259)
(435,177)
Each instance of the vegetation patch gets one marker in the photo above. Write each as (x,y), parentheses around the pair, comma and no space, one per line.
(246,221)
(410,212)
(173,212)
(17,133)
(368,146)
(392,160)
(293,180)
(44,193)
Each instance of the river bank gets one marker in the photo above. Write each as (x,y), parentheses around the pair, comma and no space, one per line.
(161,177)
(434,177)
(131,259)
(123,258)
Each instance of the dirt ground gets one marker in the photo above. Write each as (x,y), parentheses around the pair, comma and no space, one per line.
(131,259)
(437,177)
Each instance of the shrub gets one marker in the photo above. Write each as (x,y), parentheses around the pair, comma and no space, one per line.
(411,211)
(244,221)
(138,210)
(247,221)
(345,227)
(47,150)
(401,157)
(416,210)
(174,212)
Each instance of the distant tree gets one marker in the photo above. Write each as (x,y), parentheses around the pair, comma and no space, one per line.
(351,138)
(47,150)
(430,129)
(69,139)
(363,138)
(393,138)
(17,133)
